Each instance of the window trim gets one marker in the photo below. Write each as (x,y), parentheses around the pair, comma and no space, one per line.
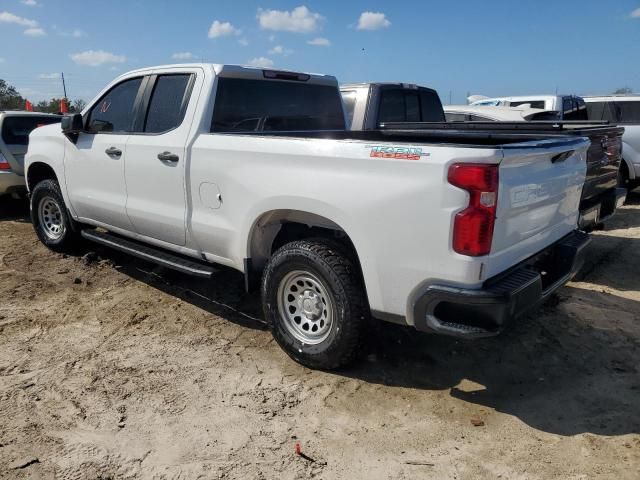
(136,106)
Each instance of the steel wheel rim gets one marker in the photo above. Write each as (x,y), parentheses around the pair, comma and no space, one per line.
(50,218)
(306,307)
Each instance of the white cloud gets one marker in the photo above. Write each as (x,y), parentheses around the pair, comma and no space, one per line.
(183,56)
(300,20)
(35,32)
(243,41)
(373,21)
(635,13)
(6,17)
(95,58)
(49,76)
(319,42)
(280,50)
(272,38)
(75,33)
(222,29)
(262,62)
(31,3)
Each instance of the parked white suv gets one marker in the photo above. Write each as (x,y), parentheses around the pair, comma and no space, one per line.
(625,111)
(15,127)
(481,113)
(451,232)
(569,107)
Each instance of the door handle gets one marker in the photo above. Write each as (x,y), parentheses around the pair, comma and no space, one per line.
(168,157)
(113,152)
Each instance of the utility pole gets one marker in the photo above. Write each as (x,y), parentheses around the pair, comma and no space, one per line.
(64,87)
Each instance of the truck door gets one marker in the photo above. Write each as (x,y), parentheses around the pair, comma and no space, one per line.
(155,167)
(94,165)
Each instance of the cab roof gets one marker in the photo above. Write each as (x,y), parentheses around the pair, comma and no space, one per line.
(242,71)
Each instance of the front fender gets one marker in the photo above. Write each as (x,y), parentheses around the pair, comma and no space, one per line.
(47,146)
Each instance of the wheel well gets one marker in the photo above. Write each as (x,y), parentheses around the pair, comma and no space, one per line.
(38,172)
(277,228)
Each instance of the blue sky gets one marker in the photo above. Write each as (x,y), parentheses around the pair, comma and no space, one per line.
(495,47)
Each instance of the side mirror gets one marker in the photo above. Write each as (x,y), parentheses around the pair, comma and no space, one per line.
(72,124)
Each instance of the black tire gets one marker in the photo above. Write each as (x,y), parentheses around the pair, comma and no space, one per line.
(339,275)
(69,237)
(623,176)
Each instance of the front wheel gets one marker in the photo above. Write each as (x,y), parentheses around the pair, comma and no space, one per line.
(315,303)
(50,218)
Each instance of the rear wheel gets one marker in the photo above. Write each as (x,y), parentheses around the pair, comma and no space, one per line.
(314,301)
(623,176)
(50,218)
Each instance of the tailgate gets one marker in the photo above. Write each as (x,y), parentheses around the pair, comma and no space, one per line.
(538,198)
(603,160)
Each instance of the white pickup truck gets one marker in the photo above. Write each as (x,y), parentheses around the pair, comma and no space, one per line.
(451,232)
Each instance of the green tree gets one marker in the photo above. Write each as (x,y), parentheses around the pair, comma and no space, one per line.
(10,99)
(77,105)
(623,91)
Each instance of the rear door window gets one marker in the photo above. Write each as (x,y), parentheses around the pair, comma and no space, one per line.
(114,112)
(16,130)
(246,105)
(168,103)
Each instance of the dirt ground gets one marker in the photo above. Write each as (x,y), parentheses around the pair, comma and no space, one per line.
(114,368)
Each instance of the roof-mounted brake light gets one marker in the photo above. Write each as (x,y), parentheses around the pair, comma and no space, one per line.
(279,75)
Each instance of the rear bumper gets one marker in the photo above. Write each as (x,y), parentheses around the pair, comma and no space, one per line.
(11,182)
(601,208)
(485,312)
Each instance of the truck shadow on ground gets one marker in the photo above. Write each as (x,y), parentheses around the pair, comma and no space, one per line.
(14,210)
(569,368)
(564,369)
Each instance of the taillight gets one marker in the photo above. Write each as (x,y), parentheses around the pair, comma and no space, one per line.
(4,164)
(473,226)
(612,147)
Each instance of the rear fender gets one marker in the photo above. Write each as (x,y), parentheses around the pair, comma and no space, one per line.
(632,158)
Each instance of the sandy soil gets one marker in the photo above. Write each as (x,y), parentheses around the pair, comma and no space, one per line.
(114,368)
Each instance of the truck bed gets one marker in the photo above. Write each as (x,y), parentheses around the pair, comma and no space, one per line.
(438,135)
(603,157)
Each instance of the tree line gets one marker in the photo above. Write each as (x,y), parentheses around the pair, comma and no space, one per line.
(11,99)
